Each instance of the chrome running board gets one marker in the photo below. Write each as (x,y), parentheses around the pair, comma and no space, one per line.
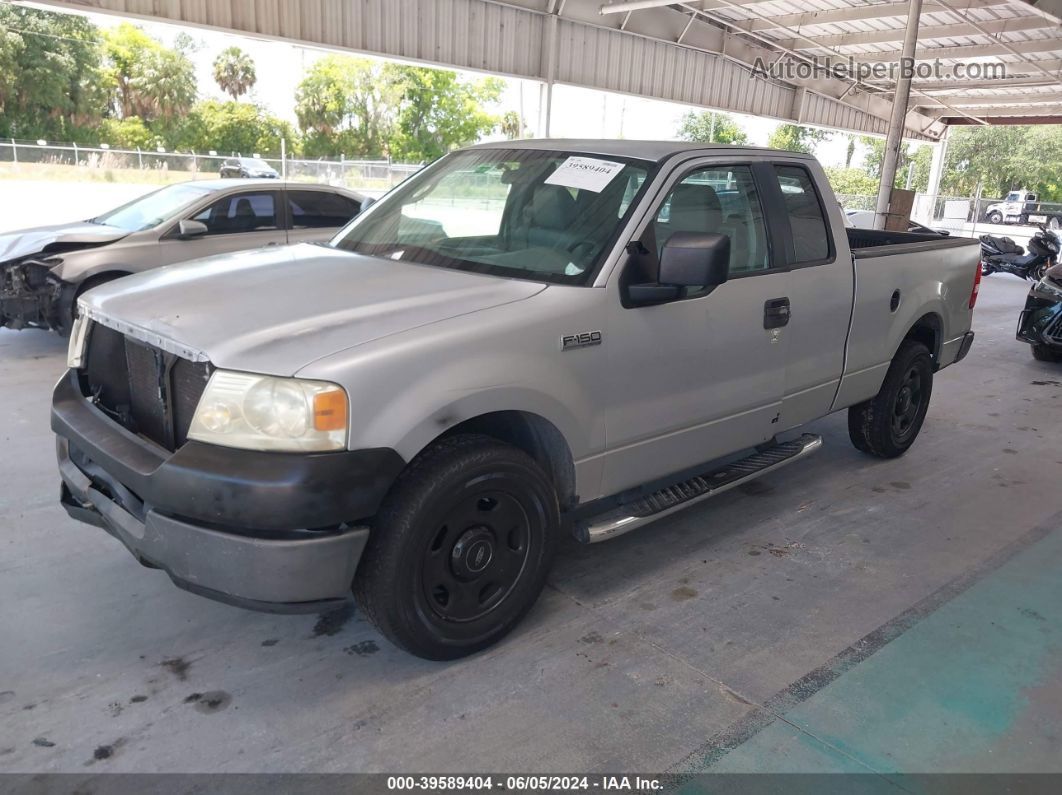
(667,500)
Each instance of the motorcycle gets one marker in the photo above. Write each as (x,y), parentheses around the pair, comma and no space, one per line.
(1003,255)
(1040,323)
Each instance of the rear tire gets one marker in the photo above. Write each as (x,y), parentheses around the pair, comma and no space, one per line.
(1044,354)
(460,548)
(887,425)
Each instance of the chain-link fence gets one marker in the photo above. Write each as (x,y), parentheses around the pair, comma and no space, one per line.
(1016,217)
(49,160)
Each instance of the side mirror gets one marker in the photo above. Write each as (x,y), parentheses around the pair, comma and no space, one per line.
(695,259)
(188,228)
(366,203)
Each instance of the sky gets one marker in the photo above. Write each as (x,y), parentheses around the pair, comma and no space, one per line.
(577,112)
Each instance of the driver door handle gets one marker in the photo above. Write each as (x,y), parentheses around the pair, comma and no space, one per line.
(775,313)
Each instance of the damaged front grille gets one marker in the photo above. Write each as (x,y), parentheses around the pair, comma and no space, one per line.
(29,294)
(147,390)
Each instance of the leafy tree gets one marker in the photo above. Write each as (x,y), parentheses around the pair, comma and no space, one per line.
(711,127)
(50,80)
(851,181)
(913,158)
(797,138)
(1004,158)
(150,81)
(365,108)
(234,72)
(347,103)
(438,112)
(127,133)
(232,127)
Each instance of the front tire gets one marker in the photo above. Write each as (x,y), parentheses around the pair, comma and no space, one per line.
(887,425)
(66,311)
(995,217)
(1044,354)
(460,549)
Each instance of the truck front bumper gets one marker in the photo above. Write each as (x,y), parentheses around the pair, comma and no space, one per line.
(281,532)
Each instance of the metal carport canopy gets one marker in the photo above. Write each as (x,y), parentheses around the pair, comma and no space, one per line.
(699,53)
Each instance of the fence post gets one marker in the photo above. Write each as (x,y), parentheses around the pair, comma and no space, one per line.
(139,159)
(14,151)
(76,161)
(283,158)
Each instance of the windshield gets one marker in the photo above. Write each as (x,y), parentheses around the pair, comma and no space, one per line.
(251,162)
(153,209)
(529,214)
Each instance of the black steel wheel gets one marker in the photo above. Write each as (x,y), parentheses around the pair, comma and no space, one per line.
(460,549)
(887,424)
(908,405)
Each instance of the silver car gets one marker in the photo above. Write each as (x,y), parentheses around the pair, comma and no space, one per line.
(44,270)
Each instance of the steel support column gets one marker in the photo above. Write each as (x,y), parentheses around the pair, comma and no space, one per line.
(894,140)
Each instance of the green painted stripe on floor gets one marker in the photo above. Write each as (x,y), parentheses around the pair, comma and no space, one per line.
(974,687)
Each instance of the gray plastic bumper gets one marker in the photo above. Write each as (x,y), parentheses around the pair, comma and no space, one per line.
(292,572)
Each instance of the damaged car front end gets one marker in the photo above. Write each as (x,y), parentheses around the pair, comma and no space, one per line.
(31,295)
(1040,323)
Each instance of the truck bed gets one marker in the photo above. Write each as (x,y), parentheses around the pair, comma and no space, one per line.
(897,274)
(879,243)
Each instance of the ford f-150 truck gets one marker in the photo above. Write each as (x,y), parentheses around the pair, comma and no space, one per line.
(521,340)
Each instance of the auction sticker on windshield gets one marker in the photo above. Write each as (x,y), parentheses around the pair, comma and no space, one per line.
(585,173)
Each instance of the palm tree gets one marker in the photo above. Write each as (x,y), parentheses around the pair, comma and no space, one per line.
(512,126)
(166,86)
(234,72)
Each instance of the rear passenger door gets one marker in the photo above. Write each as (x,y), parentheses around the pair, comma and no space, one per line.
(236,221)
(819,290)
(316,215)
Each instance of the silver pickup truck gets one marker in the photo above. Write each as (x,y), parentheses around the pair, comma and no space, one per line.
(524,339)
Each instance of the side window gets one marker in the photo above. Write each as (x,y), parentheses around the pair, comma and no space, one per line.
(318,208)
(241,212)
(720,199)
(805,214)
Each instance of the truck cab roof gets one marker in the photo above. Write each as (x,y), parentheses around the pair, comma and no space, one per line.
(644,150)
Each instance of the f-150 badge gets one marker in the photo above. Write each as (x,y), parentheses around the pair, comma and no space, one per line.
(581,340)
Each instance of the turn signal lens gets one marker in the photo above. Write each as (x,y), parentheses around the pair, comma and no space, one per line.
(330,410)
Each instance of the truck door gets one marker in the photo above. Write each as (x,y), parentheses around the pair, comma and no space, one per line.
(701,376)
(819,288)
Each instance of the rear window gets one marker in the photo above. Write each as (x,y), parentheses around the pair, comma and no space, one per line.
(806,220)
(317,209)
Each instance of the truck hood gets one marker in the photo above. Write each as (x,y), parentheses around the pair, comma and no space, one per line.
(57,238)
(276,310)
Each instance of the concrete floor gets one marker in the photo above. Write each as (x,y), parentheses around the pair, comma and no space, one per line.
(843,614)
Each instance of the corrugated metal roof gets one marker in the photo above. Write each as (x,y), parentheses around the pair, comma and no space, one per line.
(698,52)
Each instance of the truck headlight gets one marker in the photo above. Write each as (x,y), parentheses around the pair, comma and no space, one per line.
(261,412)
